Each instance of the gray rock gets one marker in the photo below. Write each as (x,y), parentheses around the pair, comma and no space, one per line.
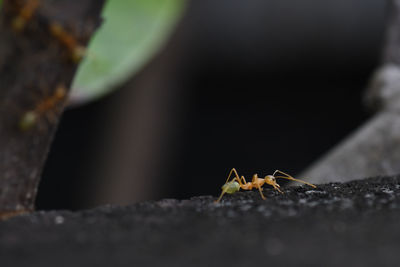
(372,150)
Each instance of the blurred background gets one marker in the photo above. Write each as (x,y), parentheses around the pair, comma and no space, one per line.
(257,85)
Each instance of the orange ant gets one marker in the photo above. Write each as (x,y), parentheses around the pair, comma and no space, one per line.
(237,183)
(26,10)
(25,14)
(31,117)
(76,51)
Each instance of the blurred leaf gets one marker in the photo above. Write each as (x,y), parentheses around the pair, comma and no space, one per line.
(132,32)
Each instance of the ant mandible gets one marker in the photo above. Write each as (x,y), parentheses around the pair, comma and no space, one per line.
(237,183)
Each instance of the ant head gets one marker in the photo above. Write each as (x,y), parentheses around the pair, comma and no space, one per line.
(269,179)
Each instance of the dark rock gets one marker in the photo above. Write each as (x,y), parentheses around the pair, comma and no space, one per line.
(350,224)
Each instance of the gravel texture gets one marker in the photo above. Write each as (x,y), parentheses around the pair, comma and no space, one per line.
(337,224)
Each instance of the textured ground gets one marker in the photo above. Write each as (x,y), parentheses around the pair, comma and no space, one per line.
(351,224)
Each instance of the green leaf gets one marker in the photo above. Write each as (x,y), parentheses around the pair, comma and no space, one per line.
(131,33)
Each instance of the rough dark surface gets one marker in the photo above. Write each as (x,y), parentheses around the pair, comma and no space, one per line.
(349,224)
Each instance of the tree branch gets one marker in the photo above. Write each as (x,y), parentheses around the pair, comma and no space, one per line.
(41,43)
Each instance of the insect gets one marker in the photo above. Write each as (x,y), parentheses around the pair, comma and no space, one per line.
(237,183)
(25,14)
(75,50)
(47,107)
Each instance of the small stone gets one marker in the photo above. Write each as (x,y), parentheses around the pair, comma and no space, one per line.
(59,220)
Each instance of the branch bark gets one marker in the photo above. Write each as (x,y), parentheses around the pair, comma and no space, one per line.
(40,46)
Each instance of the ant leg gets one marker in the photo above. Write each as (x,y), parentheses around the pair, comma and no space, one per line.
(222,193)
(277,189)
(289,177)
(237,177)
(230,173)
(229,176)
(243,180)
(262,195)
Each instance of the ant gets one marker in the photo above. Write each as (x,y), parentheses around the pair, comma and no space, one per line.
(66,39)
(25,14)
(25,11)
(47,107)
(237,183)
